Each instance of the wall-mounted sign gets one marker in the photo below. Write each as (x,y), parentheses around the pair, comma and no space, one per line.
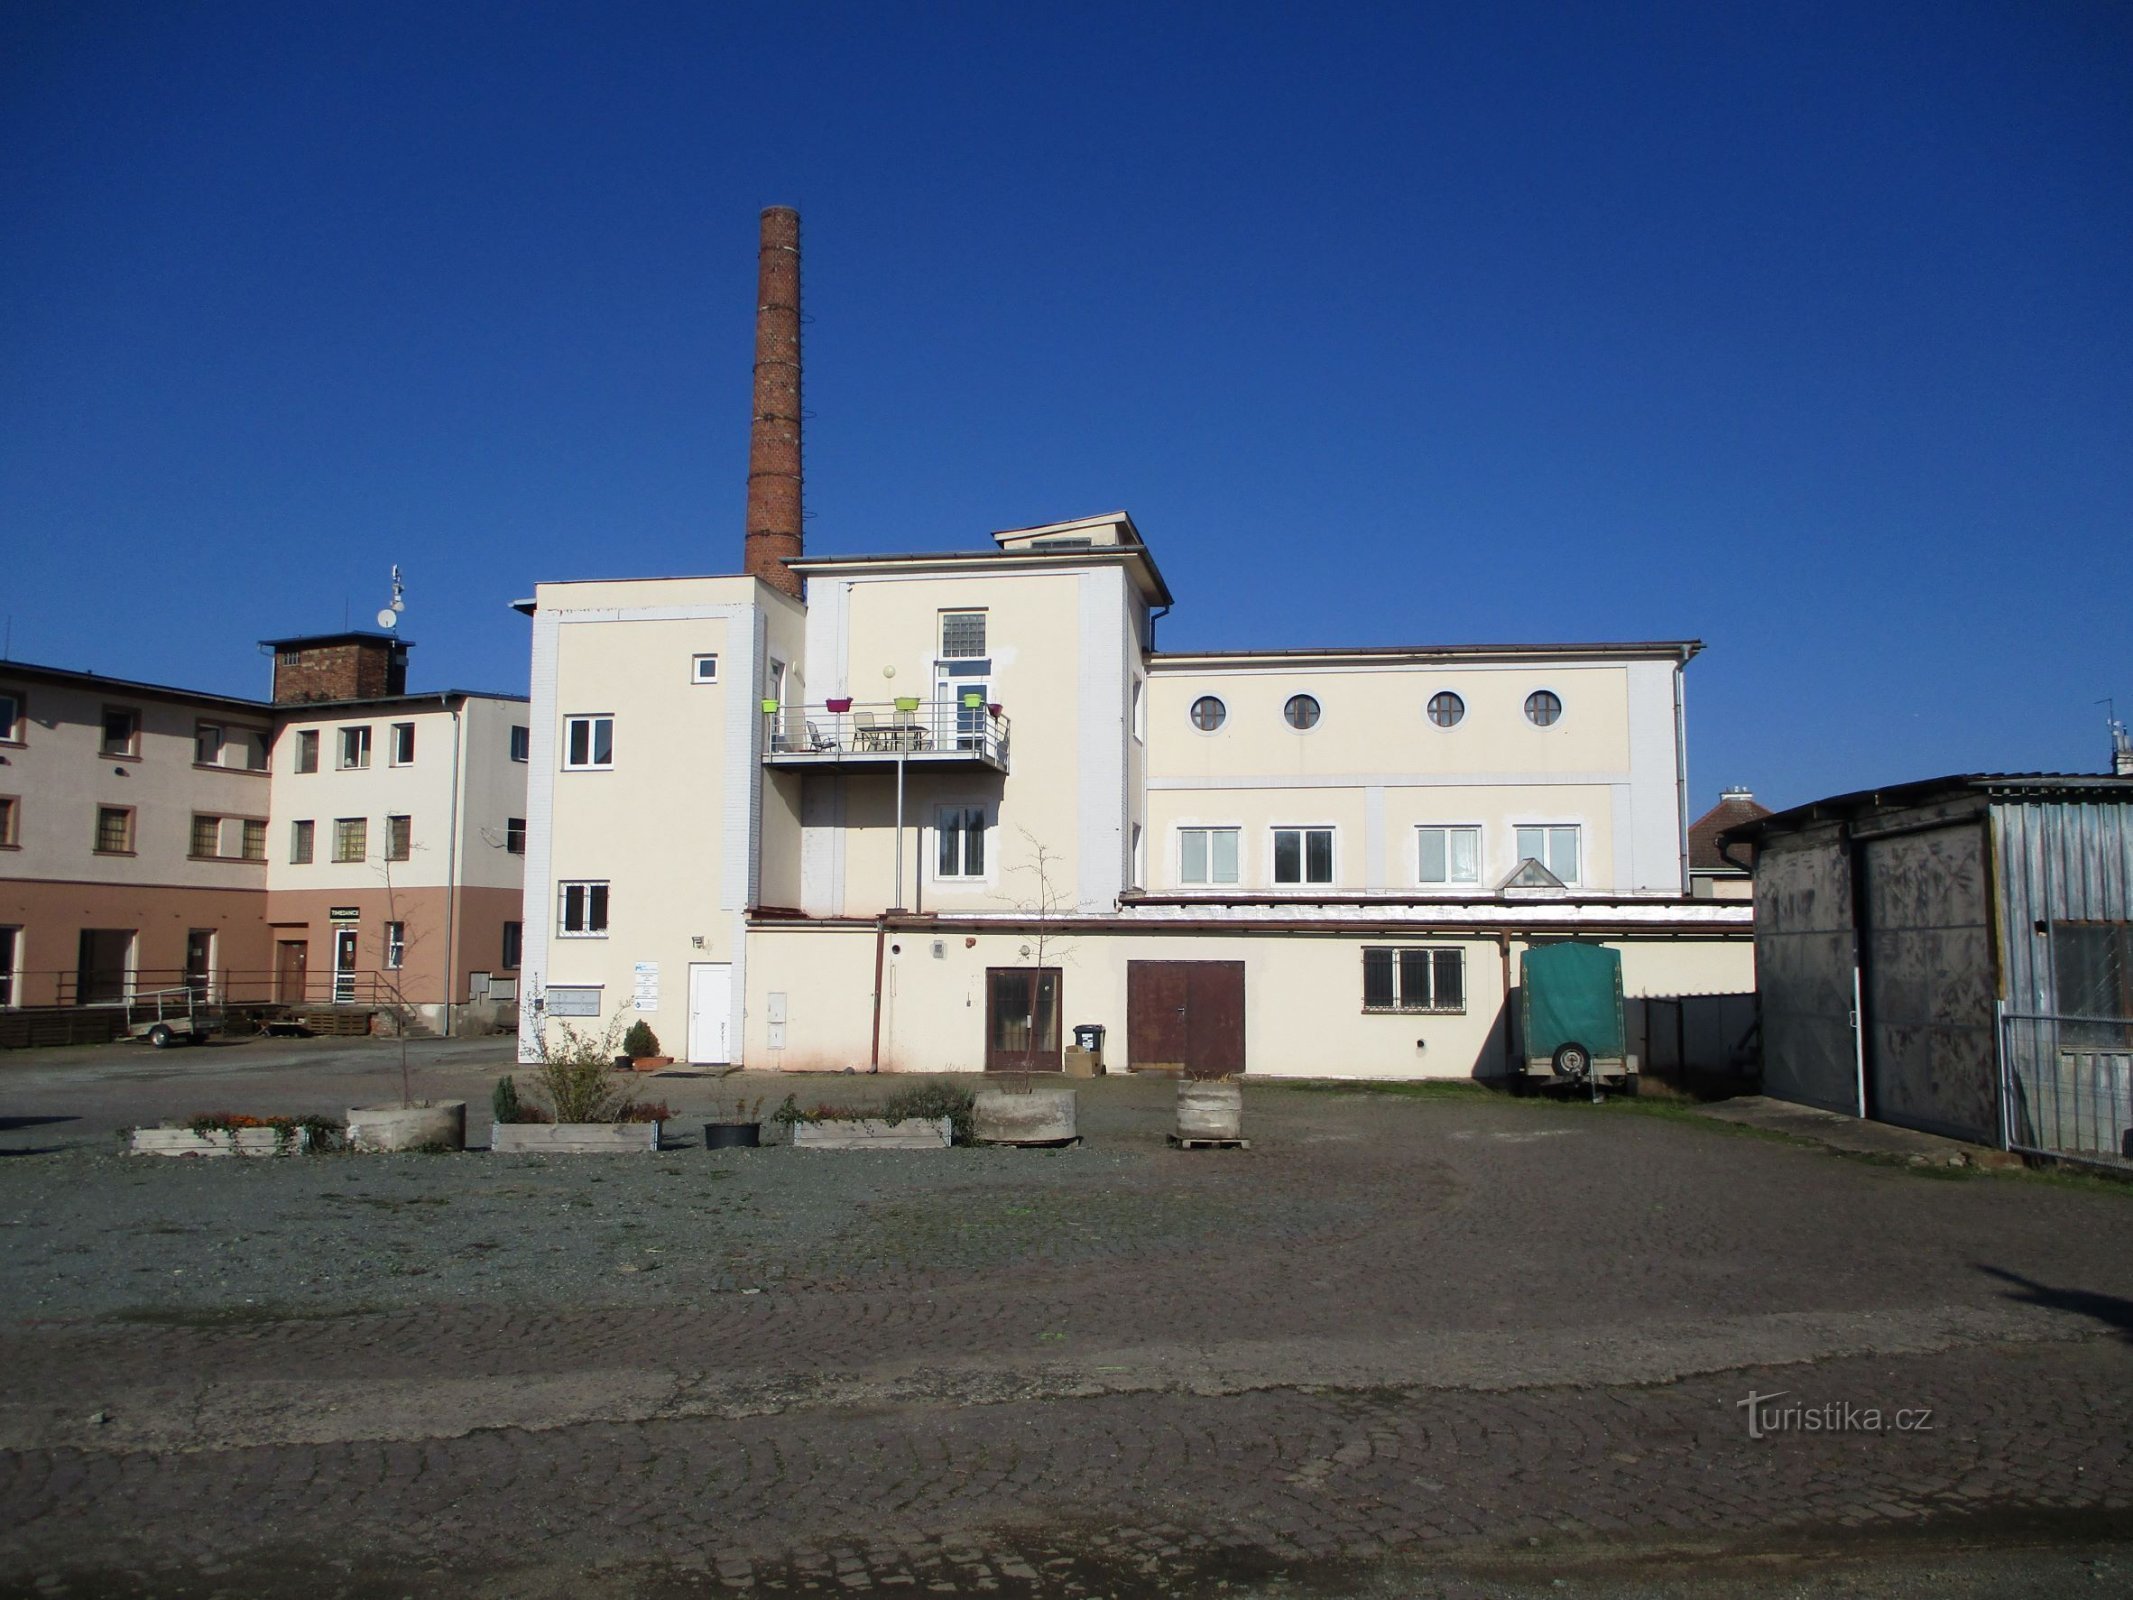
(345,914)
(646,996)
(573,1002)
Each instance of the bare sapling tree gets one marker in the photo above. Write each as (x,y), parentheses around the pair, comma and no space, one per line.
(1045,902)
(392,978)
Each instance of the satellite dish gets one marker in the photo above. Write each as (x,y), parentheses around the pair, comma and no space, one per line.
(387,617)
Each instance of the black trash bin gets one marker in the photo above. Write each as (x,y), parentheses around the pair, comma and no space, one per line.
(1089,1036)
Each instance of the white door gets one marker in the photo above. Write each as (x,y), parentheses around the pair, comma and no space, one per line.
(344,966)
(710,1013)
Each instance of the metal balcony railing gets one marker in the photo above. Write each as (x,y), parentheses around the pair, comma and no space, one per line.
(845,730)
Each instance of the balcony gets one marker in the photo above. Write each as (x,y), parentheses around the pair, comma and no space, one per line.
(877,735)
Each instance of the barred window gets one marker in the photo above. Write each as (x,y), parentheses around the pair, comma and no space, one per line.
(307,750)
(962,634)
(351,838)
(207,835)
(1414,979)
(399,837)
(255,839)
(2093,969)
(301,836)
(584,910)
(114,830)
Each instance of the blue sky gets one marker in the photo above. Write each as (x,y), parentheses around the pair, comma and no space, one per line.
(1802,330)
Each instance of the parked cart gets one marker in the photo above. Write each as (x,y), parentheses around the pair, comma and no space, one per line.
(165,1017)
(1570,1016)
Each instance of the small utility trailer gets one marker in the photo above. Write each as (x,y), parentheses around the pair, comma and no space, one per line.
(1570,1019)
(165,1017)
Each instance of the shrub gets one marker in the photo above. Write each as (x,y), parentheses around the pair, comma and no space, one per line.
(930,1099)
(574,1075)
(508,1107)
(640,1041)
(652,1111)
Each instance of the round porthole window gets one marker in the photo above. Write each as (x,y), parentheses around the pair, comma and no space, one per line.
(1208,713)
(1446,708)
(1301,711)
(1543,708)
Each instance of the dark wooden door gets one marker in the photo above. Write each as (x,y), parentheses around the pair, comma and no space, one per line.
(1022,1032)
(105,963)
(199,961)
(1185,1016)
(291,957)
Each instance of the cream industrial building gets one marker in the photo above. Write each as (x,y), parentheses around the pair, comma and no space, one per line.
(931,811)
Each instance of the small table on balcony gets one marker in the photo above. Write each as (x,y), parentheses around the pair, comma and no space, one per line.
(897,736)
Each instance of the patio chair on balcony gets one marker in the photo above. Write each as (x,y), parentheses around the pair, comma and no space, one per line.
(817,739)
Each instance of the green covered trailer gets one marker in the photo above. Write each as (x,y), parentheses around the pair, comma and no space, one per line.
(1570,1017)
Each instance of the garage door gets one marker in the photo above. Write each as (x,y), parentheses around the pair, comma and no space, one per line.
(1185,1016)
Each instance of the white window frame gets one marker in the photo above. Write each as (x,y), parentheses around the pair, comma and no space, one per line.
(592,721)
(1448,829)
(351,750)
(562,908)
(703,668)
(395,946)
(1303,853)
(1140,710)
(521,742)
(983,652)
(1401,1004)
(520,848)
(1210,829)
(1577,841)
(393,753)
(988,827)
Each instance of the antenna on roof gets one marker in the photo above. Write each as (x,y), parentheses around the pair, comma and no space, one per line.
(2121,742)
(390,616)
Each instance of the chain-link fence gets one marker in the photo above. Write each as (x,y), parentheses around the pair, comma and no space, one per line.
(2069,1086)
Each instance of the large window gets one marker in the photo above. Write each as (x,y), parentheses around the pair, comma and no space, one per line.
(960,836)
(114,830)
(403,745)
(307,750)
(1207,855)
(588,743)
(1448,855)
(399,837)
(303,840)
(122,731)
(1414,979)
(1303,855)
(355,748)
(351,838)
(962,635)
(583,910)
(1554,847)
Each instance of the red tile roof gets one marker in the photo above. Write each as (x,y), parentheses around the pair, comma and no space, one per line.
(1730,812)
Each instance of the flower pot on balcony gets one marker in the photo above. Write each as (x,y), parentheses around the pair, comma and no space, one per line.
(769,707)
(997,709)
(907,702)
(839,706)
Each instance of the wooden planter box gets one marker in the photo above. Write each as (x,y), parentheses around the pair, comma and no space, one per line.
(220,1142)
(870,1133)
(574,1138)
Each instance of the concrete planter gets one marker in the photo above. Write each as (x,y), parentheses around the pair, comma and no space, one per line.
(870,1133)
(1043,1116)
(426,1125)
(1210,1109)
(574,1138)
(220,1142)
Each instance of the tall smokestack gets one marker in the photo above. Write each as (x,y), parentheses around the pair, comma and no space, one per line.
(774,435)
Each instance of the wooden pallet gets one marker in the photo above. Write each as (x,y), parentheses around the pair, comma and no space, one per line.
(337,1024)
(1178,1141)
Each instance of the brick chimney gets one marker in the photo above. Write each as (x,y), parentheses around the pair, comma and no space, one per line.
(774,435)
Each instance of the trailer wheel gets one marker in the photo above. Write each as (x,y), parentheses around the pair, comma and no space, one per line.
(161,1037)
(1572,1061)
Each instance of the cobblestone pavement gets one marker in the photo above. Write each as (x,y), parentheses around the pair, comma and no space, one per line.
(1449,1346)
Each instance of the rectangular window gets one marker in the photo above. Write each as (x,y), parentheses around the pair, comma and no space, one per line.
(255,839)
(10,810)
(395,946)
(1303,855)
(703,669)
(355,748)
(403,744)
(960,839)
(2092,967)
(252,749)
(207,744)
(114,830)
(521,742)
(307,750)
(207,835)
(302,840)
(122,731)
(514,942)
(962,635)
(588,743)
(1207,855)
(584,911)
(1414,980)
(1554,847)
(11,729)
(515,835)
(1449,855)
(351,838)
(399,837)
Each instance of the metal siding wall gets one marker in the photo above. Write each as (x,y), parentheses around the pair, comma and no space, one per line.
(1803,963)
(2059,861)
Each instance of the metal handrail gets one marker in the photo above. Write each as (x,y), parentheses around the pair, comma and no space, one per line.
(877,727)
(230,987)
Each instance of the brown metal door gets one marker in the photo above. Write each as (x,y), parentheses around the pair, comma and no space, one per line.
(291,957)
(1185,1016)
(1022,1031)
(199,961)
